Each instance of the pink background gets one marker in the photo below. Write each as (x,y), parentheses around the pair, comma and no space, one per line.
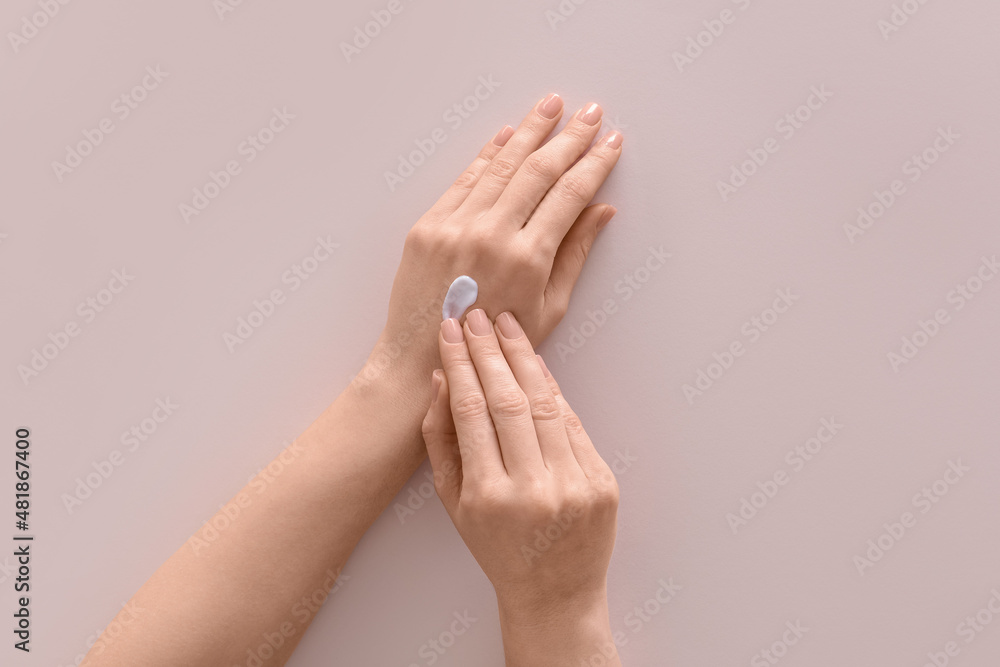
(691,463)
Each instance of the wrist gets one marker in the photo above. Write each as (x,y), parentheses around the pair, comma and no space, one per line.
(397,372)
(566,633)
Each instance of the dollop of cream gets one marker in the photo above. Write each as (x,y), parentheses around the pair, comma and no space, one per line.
(463,293)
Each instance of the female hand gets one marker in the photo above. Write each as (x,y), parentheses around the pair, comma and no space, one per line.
(529,494)
(517,221)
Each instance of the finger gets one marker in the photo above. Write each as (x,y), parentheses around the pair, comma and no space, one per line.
(542,169)
(529,136)
(460,189)
(545,411)
(586,455)
(477,439)
(508,404)
(564,202)
(573,253)
(442,443)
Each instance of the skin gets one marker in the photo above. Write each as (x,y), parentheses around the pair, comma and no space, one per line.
(529,494)
(517,220)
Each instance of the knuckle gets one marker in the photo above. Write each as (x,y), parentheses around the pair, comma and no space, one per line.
(575,187)
(502,167)
(418,238)
(448,240)
(606,491)
(579,496)
(574,427)
(469,177)
(509,404)
(539,499)
(466,180)
(544,407)
(482,241)
(541,166)
(470,407)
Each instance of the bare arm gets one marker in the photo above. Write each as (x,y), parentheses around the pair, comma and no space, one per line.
(517,220)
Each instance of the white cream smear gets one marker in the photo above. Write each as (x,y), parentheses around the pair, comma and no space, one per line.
(462,294)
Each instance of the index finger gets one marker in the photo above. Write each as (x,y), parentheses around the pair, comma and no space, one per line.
(477,440)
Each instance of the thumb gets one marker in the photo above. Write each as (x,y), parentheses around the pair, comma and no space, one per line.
(573,252)
(442,442)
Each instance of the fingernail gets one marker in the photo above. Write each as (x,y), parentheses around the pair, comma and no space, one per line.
(609,213)
(550,106)
(479,324)
(545,369)
(591,113)
(508,326)
(503,135)
(613,140)
(452,331)
(435,384)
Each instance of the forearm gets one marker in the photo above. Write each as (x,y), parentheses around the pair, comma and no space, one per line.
(261,571)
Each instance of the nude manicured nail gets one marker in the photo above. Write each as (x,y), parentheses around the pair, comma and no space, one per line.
(503,135)
(479,324)
(508,326)
(591,113)
(550,106)
(545,369)
(452,331)
(613,140)
(609,213)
